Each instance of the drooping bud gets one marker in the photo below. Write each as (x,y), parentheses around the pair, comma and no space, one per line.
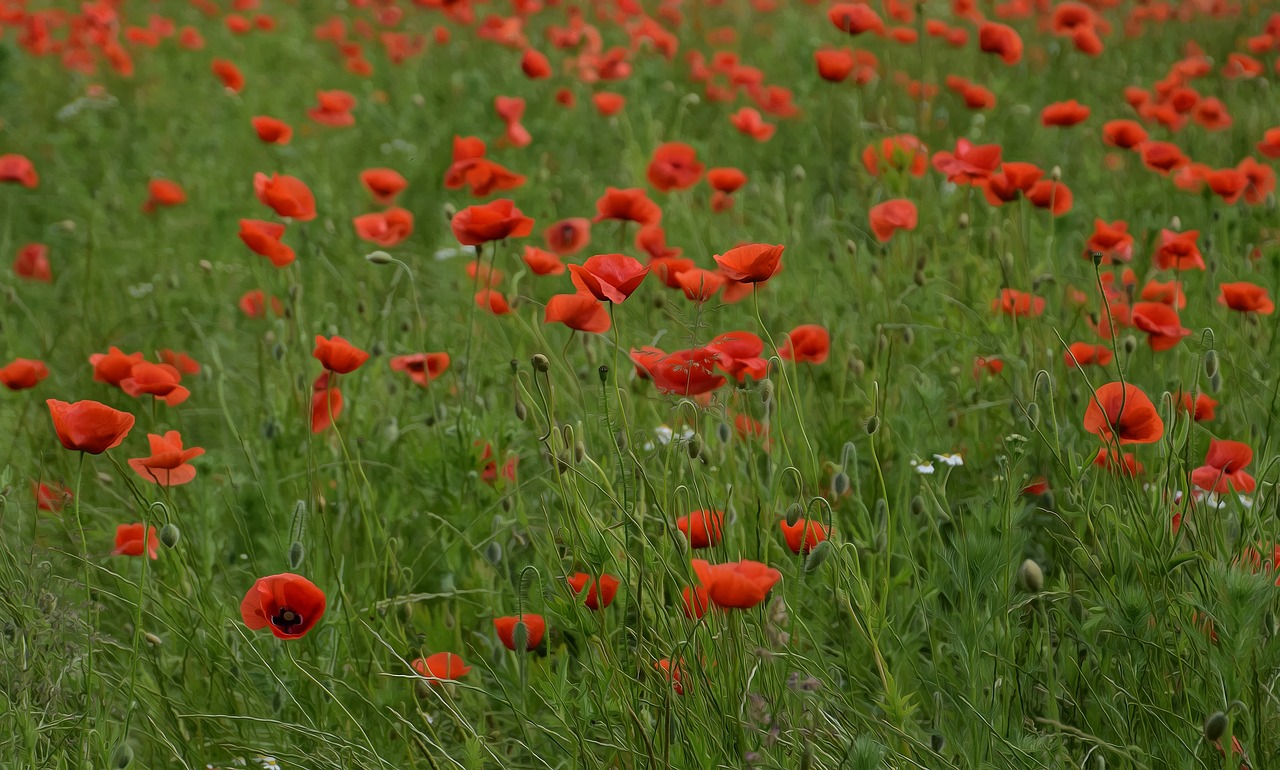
(169,535)
(1031,576)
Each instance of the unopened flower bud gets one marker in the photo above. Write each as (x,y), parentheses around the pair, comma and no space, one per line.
(297,552)
(379,257)
(873,424)
(540,362)
(169,535)
(1031,576)
(1215,726)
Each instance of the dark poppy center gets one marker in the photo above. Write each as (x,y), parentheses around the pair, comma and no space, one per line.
(287,620)
(566,233)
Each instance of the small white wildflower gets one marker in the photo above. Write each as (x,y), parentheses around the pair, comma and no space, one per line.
(449,252)
(140,290)
(950,459)
(923,467)
(1246,501)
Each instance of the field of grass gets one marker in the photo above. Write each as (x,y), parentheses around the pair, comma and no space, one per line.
(631,384)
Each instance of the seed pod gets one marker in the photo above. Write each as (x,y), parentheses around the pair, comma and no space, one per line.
(540,362)
(1210,362)
(522,412)
(794,511)
(839,484)
(851,247)
(493,552)
(693,447)
(1215,726)
(152,639)
(937,743)
(506,504)
(379,258)
(297,552)
(798,173)
(817,556)
(1129,344)
(1031,576)
(724,432)
(1033,414)
(122,756)
(873,424)
(277,351)
(169,535)
(953,419)
(361,308)
(963,221)
(603,371)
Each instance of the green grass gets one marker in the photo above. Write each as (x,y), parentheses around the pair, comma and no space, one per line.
(910,642)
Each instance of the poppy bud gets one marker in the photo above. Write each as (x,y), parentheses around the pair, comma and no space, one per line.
(724,432)
(152,639)
(540,362)
(766,392)
(1129,344)
(793,514)
(169,535)
(693,447)
(206,267)
(450,211)
(908,336)
(1031,576)
(1215,726)
(937,743)
(1210,362)
(798,173)
(816,556)
(1033,414)
(917,505)
(296,554)
(1175,223)
(506,504)
(963,221)
(361,308)
(839,484)
(882,514)
(1215,383)
(277,351)
(522,412)
(953,420)
(857,367)
(851,247)
(918,277)
(405,326)
(1056,173)
(579,452)
(493,552)
(122,756)
(379,257)
(873,424)
(604,374)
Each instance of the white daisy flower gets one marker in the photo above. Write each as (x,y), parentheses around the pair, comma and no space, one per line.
(923,467)
(949,459)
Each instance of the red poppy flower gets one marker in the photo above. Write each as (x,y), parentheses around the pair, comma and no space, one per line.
(1113,241)
(727,180)
(493,301)
(88,426)
(1201,410)
(541,261)
(674,166)
(1013,179)
(1125,134)
(1018,303)
(671,671)
(749,121)
(834,65)
(1124,465)
(652,240)
(1270,144)
(904,152)
(32,263)
(1212,114)
(802,536)
(229,74)
(970,163)
(1178,251)
(740,585)
(385,228)
(1048,194)
(471,169)
(1162,157)
(608,104)
(611,277)
(1001,40)
(287,604)
(19,169)
(1246,297)
(333,108)
(808,343)
(630,205)
(1261,181)
(384,183)
(338,355)
(702,528)
(699,285)
(608,588)
(1223,469)
(163,192)
(441,667)
(51,497)
(286,195)
(989,365)
(326,404)
(113,366)
(422,368)
(752,263)
(1082,354)
(272,130)
(1121,411)
(577,311)
(180,361)
(168,464)
(159,380)
(738,355)
(1160,322)
(253,303)
(263,238)
(855,18)
(535,65)
(1064,114)
(23,373)
(568,236)
(891,216)
(535,627)
(686,372)
(492,221)
(129,541)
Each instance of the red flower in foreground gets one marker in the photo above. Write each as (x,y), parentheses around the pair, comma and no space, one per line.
(1001,40)
(542,262)
(702,528)
(288,604)
(168,464)
(970,163)
(263,238)
(1113,241)
(18,168)
(88,426)
(1121,411)
(1125,134)
(286,195)
(492,221)
(855,18)
(802,536)
(630,205)
(159,380)
(740,585)
(1246,297)
(1160,322)
(611,277)
(685,372)
(229,74)
(1178,251)
(753,263)
(1201,410)
(1223,469)
(891,216)
(581,312)
(422,368)
(749,121)
(23,373)
(807,343)
(338,355)
(441,667)
(535,627)
(32,263)
(595,600)
(129,541)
